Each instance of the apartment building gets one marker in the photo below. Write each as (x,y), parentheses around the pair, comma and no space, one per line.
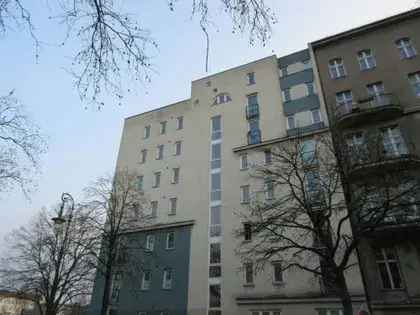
(370,78)
(194,160)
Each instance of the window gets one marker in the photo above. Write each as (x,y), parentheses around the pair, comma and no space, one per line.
(175,175)
(159,152)
(269,188)
(215,271)
(252,99)
(337,69)
(156,184)
(344,102)
(180,123)
(178,147)
(216,156)
(167,279)
(249,273)
(313,186)
(393,142)
(170,240)
(222,98)
(216,128)
(277,272)
(243,158)
(162,127)
(173,205)
(286,95)
(310,86)
(316,116)
(283,72)
(357,147)
(143,156)
(414,79)
(308,151)
(215,253)
(389,270)
(146,132)
(215,300)
(247,231)
(366,60)
(150,243)
(268,157)
(251,78)
(216,183)
(116,287)
(375,89)
(245,194)
(254,131)
(140,182)
(406,48)
(291,122)
(154,206)
(146,279)
(215,221)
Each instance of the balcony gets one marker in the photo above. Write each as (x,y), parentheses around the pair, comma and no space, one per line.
(377,108)
(252,111)
(254,136)
(368,160)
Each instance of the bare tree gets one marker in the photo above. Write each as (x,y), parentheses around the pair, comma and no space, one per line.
(21,145)
(117,206)
(54,266)
(310,222)
(114,44)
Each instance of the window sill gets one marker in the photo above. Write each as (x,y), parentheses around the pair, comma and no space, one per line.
(278,284)
(173,248)
(409,58)
(367,70)
(245,169)
(249,285)
(338,78)
(244,202)
(171,214)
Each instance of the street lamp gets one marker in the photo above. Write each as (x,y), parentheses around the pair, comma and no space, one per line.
(60,219)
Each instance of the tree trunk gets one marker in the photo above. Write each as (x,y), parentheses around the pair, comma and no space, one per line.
(107,289)
(343,293)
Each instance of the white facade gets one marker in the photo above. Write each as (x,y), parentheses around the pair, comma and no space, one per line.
(194,151)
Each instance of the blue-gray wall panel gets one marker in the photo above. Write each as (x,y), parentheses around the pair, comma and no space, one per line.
(302,104)
(305,76)
(293,58)
(155,300)
(306,129)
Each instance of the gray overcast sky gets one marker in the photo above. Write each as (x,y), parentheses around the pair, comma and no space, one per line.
(83,144)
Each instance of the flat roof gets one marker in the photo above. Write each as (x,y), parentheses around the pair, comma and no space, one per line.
(367,27)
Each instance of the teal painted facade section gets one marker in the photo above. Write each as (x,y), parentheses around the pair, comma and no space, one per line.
(301,105)
(132,299)
(293,58)
(305,76)
(306,129)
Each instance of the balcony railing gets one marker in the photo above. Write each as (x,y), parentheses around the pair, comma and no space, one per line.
(352,112)
(252,111)
(254,136)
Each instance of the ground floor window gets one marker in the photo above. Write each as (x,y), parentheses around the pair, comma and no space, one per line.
(389,270)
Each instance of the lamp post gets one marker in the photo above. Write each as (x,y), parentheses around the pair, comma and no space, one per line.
(60,219)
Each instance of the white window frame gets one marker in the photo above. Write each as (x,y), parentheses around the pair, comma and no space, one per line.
(163,125)
(159,152)
(274,264)
(243,161)
(175,175)
(337,68)
(315,112)
(376,89)
(386,261)
(392,136)
(245,194)
(406,48)
(150,242)
(143,154)
(156,179)
(286,94)
(173,203)
(146,132)
(177,147)
(145,284)
(343,100)
(310,87)
(288,118)
(180,123)
(251,78)
(167,283)
(367,60)
(414,79)
(168,235)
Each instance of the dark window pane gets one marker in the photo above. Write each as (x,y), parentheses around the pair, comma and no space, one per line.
(384,276)
(396,276)
(215,253)
(215,271)
(214,295)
